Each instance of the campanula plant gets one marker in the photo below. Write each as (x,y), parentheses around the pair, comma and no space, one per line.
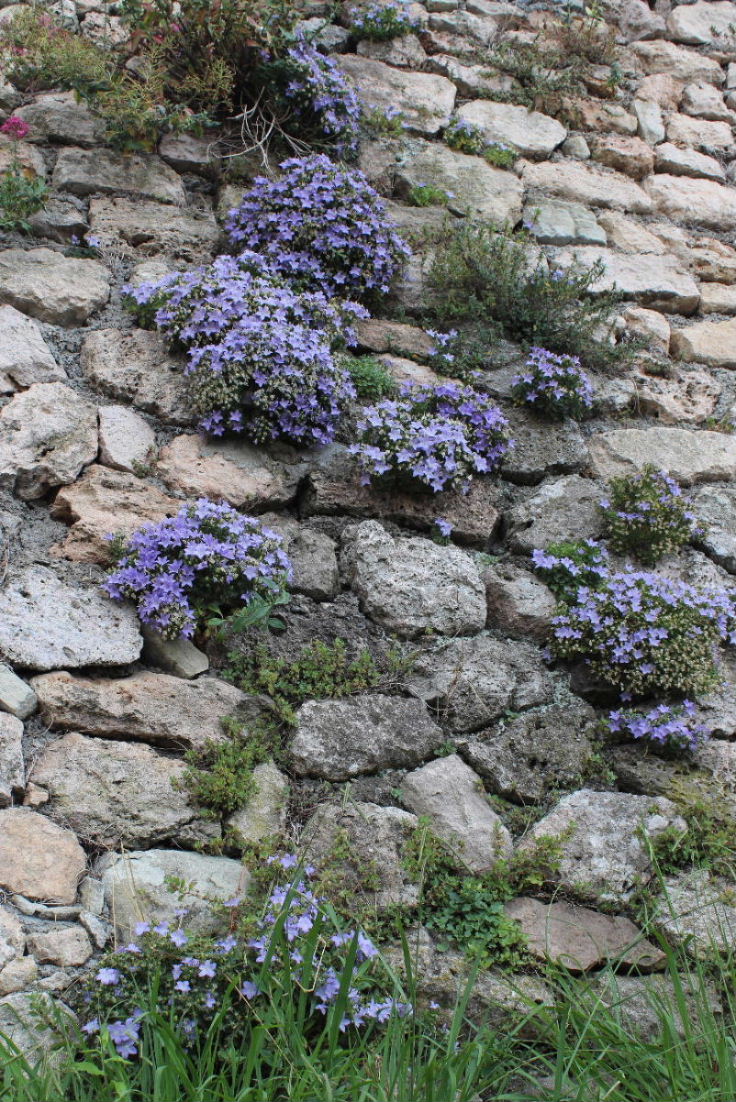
(553,386)
(381,22)
(664,727)
(320,97)
(647,516)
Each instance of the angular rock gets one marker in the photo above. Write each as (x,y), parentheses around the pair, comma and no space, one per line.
(555,223)
(587,184)
(313,558)
(717,298)
(713,261)
(702,23)
(651,325)
(518,602)
(35,1038)
(105,502)
(649,119)
(696,909)
(31,160)
(60,220)
(374,866)
(340,739)
(68,947)
(526,757)
(12,768)
(706,342)
(715,507)
(176,656)
(152,707)
(689,456)
(404,52)
(473,186)
(101,171)
(703,101)
(152,228)
(450,795)
(595,115)
(711,137)
(61,117)
(677,62)
(16,696)
(378,335)
(560,510)
(412,586)
(638,21)
(603,840)
(264,816)
(542,448)
(39,859)
(662,90)
(529,132)
(188,153)
(118,793)
(238,473)
(47,623)
(51,287)
(580,939)
(638,1003)
(687,162)
(693,396)
(657,281)
(472,682)
(12,938)
(135,366)
(25,358)
(626,154)
(135,889)
(629,236)
(126,440)
(424,100)
(470,80)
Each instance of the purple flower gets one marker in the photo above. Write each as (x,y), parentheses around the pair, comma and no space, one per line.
(553,385)
(250,990)
(179,938)
(108,976)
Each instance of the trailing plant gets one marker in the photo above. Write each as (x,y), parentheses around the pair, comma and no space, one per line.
(553,386)
(460,355)
(322,226)
(466,137)
(383,21)
(207,556)
(646,515)
(22,192)
(370,378)
(570,565)
(664,727)
(431,438)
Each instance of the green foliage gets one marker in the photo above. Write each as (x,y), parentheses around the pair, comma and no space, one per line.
(427,195)
(480,274)
(21,195)
(465,137)
(543,74)
(321,671)
(645,515)
(370,378)
(707,841)
(377,122)
(566,566)
(257,613)
(500,155)
(219,777)
(459,354)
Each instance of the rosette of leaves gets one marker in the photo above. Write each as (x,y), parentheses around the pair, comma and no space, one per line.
(664,727)
(646,515)
(260,354)
(381,22)
(646,634)
(554,386)
(431,438)
(207,557)
(322,226)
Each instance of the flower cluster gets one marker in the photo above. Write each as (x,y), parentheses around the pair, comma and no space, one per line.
(195,979)
(260,354)
(672,727)
(320,94)
(383,21)
(566,566)
(466,137)
(645,515)
(22,192)
(322,226)
(16,129)
(644,634)
(432,438)
(206,556)
(553,385)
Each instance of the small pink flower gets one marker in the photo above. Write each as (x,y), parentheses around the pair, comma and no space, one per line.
(15,128)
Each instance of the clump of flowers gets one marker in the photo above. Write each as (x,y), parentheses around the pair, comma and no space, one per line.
(554,386)
(432,438)
(466,137)
(380,22)
(298,964)
(570,564)
(322,226)
(646,515)
(645,634)
(664,726)
(206,557)
(22,192)
(260,354)
(321,96)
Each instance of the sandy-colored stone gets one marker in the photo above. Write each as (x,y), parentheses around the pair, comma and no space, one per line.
(649,120)
(25,358)
(687,200)
(68,947)
(424,100)
(52,287)
(651,325)
(587,184)
(16,697)
(688,162)
(708,342)
(17,975)
(717,298)
(699,133)
(629,236)
(702,23)
(697,910)
(691,397)
(378,335)
(102,171)
(660,89)
(703,101)
(553,222)
(626,154)
(657,281)
(473,186)
(599,115)
(677,62)
(134,366)
(689,456)
(713,261)
(61,117)
(126,440)
(531,133)
(12,770)
(153,228)
(39,859)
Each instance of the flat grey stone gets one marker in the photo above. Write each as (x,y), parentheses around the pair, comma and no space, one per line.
(51,287)
(16,697)
(179,657)
(556,223)
(101,171)
(25,358)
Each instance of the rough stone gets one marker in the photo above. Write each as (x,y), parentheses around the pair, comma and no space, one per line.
(152,707)
(135,367)
(39,859)
(61,117)
(17,975)
(189,153)
(652,326)
(470,80)
(717,298)
(35,1039)
(715,507)
(649,118)
(412,586)
(636,1002)
(687,162)
(12,769)
(238,473)
(340,739)
(560,510)
(557,223)
(424,100)
(47,623)
(543,448)
(135,889)
(657,281)
(405,51)
(711,137)
(378,335)
(713,261)
(529,132)
(264,816)
(176,656)
(12,938)
(25,358)
(689,456)
(588,184)
(102,171)
(661,89)
(580,939)
(707,342)
(630,155)
(450,795)
(373,868)
(603,840)
(638,22)
(68,947)
(702,23)
(628,235)
(151,228)
(531,755)
(677,62)
(117,793)
(693,397)
(16,696)
(595,115)
(472,682)
(696,910)
(30,159)
(473,186)
(518,602)
(103,502)
(703,101)
(51,287)
(126,440)
(313,558)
